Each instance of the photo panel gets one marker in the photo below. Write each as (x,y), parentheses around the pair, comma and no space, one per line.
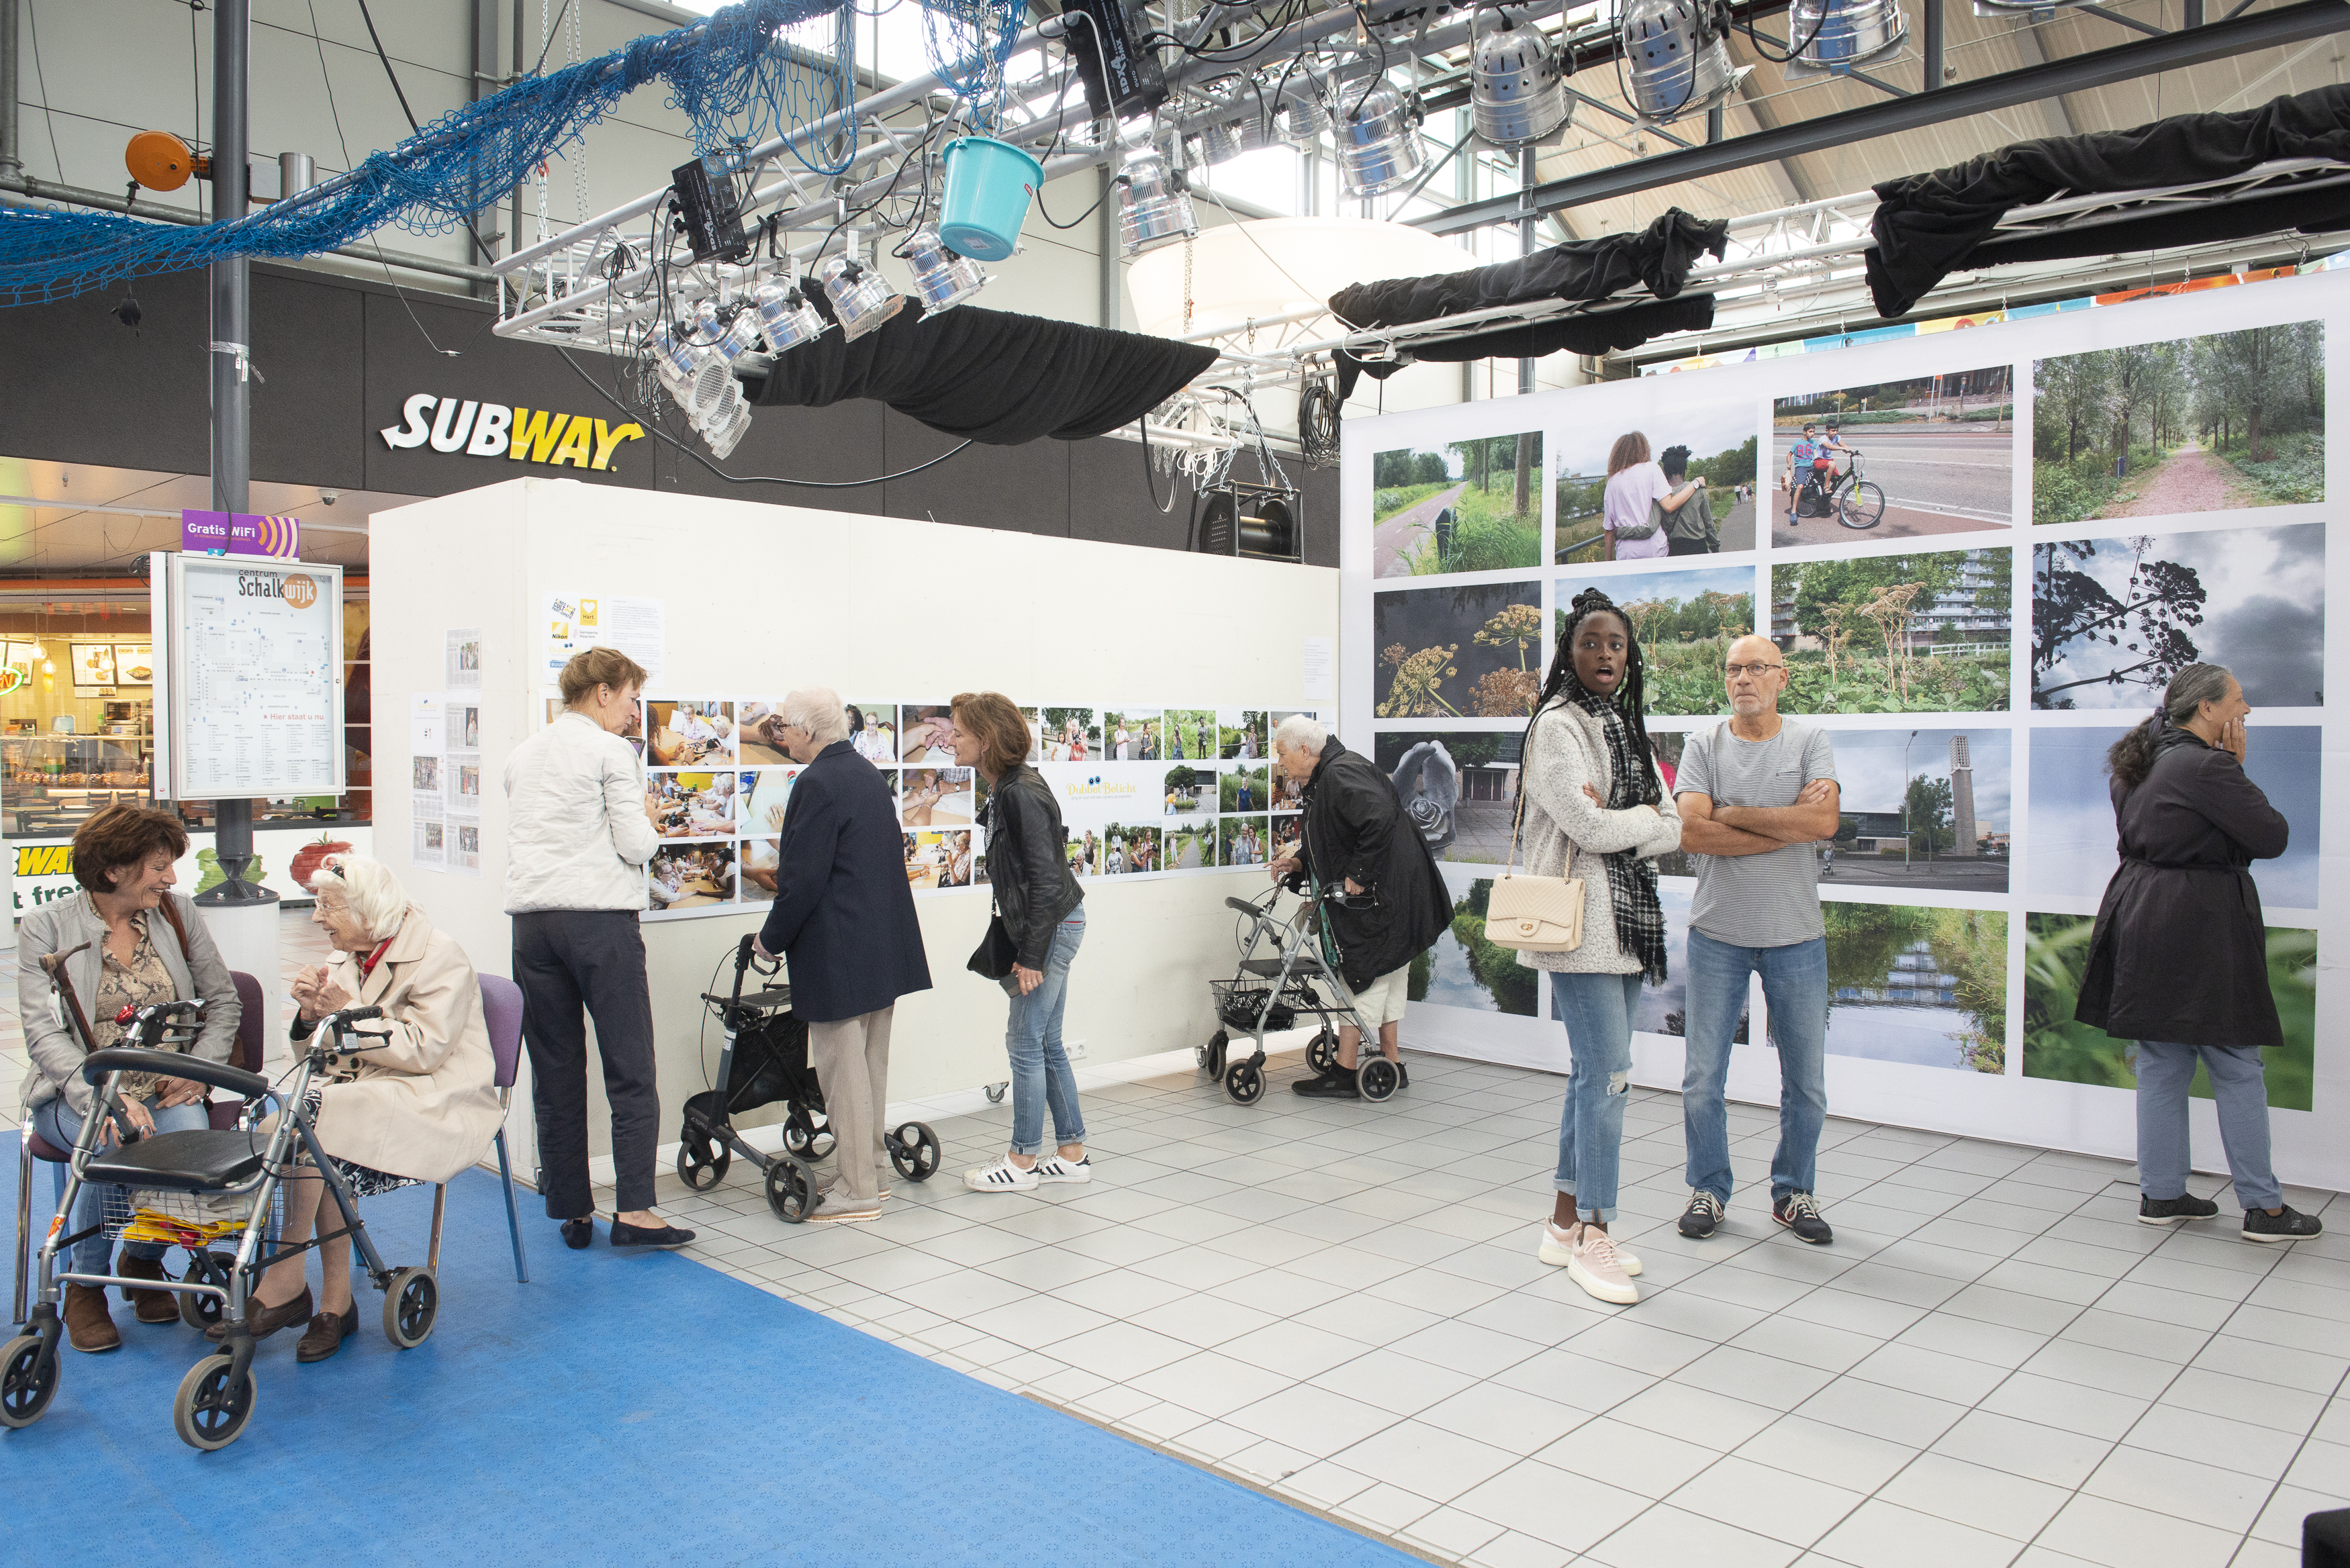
(1243,841)
(467,800)
(1664,1009)
(1663,444)
(689,730)
(1471,505)
(2196,424)
(765,792)
(424,773)
(1923,809)
(1245,787)
(758,734)
(937,798)
(1463,970)
(691,804)
(2070,851)
(1923,987)
(872,730)
(761,860)
(682,877)
(1192,735)
(1244,735)
(1456,787)
(1896,634)
(1683,616)
(1133,734)
(1190,793)
(923,732)
(1288,834)
(2058,1045)
(1457,652)
(2113,619)
(1086,851)
(1189,846)
(1072,736)
(938,859)
(1131,848)
(1028,716)
(1903,458)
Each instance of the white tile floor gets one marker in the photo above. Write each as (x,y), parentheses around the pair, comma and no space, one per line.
(1340,1304)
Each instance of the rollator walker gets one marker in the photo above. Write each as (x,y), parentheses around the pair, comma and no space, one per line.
(1267,994)
(194,1190)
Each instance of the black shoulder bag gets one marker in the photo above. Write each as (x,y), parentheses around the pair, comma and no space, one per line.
(996,952)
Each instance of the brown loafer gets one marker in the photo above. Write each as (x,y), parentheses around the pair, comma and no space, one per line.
(147,1307)
(266,1321)
(327,1332)
(88,1326)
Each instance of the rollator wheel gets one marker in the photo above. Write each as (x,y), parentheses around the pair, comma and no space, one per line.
(207,1412)
(701,1161)
(26,1389)
(791,1187)
(412,1305)
(914,1150)
(1322,1055)
(1211,1055)
(996,1093)
(207,1269)
(1377,1078)
(800,1136)
(1244,1083)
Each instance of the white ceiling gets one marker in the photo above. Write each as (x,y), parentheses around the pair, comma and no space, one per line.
(82,521)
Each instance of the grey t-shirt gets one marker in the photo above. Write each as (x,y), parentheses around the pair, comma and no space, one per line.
(1766,900)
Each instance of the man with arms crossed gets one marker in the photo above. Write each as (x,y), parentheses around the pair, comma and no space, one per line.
(1756,792)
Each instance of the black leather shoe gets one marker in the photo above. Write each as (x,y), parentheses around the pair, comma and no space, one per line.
(578,1233)
(265,1321)
(1337,1085)
(667,1239)
(327,1332)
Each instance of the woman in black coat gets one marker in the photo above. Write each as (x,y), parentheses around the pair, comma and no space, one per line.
(845,918)
(2179,960)
(1044,913)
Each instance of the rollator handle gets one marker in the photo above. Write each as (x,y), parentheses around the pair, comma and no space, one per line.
(173,1065)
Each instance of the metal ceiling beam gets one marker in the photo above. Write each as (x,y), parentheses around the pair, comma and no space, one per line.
(2126,62)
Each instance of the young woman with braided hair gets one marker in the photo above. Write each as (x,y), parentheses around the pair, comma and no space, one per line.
(1593,805)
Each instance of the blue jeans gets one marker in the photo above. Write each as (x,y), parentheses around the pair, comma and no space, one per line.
(1597,1012)
(1795,984)
(2239,1089)
(1040,1068)
(56,1121)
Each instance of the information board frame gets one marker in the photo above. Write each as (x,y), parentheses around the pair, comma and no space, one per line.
(265,578)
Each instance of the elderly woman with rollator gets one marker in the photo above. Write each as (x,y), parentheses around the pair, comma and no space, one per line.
(844,918)
(2178,958)
(1356,834)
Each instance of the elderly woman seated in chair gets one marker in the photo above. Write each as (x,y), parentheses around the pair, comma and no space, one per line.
(410,1100)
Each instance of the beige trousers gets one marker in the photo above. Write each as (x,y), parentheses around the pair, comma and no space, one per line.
(852,1058)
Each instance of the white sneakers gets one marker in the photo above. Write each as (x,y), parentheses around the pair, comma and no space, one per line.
(1053,1168)
(1593,1260)
(1005,1176)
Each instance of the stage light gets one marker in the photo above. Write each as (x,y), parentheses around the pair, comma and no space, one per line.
(725,338)
(785,315)
(1303,118)
(860,300)
(1677,56)
(1153,207)
(942,278)
(1377,138)
(1833,33)
(1516,92)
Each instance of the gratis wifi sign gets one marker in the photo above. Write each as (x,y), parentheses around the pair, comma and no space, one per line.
(494,429)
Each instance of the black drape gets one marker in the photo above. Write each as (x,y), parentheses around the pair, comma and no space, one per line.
(1929,225)
(1594,332)
(988,375)
(1658,257)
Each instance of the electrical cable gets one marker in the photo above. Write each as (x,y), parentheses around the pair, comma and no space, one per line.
(364,15)
(609,397)
(1149,479)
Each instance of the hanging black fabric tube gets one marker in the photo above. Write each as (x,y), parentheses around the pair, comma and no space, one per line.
(1659,258)
(1592,332)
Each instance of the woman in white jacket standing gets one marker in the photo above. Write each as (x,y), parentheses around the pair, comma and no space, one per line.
(581,826)
(1594,806)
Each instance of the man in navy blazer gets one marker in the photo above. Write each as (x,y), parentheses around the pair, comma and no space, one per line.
(844,918)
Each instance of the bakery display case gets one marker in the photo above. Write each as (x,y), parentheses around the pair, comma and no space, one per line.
(55,781)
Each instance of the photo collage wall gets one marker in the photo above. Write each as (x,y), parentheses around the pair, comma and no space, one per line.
(1143,791)
(1981,554)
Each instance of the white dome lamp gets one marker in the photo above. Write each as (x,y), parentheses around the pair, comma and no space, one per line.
(1153,207)
(1836,35)
(1677,56)
(1378,137)
(942,278)
(1517,92)
(785,316)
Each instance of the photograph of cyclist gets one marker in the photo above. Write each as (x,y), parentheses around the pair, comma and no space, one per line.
(1811,463)
(1895,460)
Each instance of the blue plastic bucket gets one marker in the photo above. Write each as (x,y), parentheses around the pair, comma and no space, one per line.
(988,184)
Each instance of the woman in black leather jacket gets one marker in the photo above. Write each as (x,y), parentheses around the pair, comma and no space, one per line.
(1044,911)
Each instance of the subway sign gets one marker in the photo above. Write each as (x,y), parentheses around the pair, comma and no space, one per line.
(494,429)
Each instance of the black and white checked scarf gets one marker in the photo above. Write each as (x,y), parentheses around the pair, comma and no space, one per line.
(1631,881)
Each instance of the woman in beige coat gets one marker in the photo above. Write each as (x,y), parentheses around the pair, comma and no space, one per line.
(417,1104)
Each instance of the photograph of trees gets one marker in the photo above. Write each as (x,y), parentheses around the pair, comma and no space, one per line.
(2196,424)
(1191,791)
(1926,987)
(2058,1045)
(1244,733)
(1465,970)
(2113,619)
(1684,622)
(1471,505)
(1190,846)
(1722,441)
(1896,634)
(1072,736)
(1459,653)
(1246,789)
(1664,1009)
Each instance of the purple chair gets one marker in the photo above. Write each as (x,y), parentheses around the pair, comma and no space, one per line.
(31,1145)
(502,1011)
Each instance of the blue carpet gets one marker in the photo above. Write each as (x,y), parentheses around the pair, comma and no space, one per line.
(615,1409)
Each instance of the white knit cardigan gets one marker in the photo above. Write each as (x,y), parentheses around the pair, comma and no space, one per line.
(1567,750)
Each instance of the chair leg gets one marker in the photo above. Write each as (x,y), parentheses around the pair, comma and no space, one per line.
(440,1206)
(25,1220)
(513,1223)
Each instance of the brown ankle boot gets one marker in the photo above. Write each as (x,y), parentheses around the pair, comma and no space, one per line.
(265,1321)
(147,1307)
(88,1326)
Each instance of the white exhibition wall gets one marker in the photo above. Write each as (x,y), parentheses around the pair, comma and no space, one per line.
(760,598)
(2029,651)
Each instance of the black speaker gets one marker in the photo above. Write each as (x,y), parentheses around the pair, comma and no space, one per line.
(1118,74)
(712,211)
(1260,521)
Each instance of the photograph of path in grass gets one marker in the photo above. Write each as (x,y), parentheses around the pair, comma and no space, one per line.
(1471,505)
(1896,634)
(2058,1045)
(2196,424)
(1684,619)
(1719,440)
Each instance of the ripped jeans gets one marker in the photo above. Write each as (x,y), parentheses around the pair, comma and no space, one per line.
(1597,1012)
